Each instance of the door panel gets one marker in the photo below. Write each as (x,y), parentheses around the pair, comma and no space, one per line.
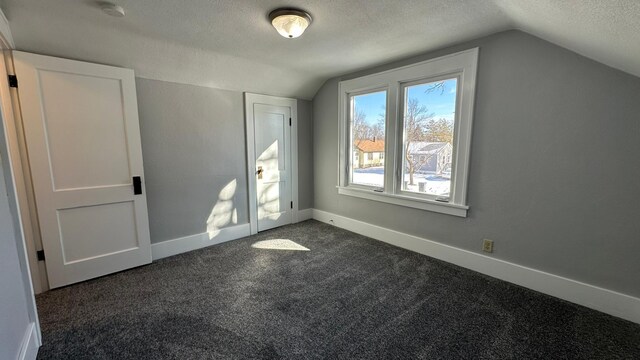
(95,107)
(273,168)
(83,234)
(83,137)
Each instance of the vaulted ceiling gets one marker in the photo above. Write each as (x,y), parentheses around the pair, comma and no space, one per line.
(230,44)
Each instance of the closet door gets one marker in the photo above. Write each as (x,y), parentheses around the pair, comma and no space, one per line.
(273,165)
(83,141)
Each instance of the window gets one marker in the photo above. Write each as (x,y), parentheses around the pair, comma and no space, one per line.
(428,121)
(367,120)
(418,119)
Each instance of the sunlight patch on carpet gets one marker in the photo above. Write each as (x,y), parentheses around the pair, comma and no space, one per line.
(279,244)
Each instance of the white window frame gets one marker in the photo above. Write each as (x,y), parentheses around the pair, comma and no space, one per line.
(365,156)
(462,65)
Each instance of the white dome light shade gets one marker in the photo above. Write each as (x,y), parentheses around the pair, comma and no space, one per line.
(290,23)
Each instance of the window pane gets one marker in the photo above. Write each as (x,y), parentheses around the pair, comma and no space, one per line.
(368,117)
(429,117)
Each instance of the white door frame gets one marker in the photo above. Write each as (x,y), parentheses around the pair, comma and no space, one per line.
(249,101)
(16,186)
(24,187)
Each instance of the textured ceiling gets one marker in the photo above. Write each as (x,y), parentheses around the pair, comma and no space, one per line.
(230,44)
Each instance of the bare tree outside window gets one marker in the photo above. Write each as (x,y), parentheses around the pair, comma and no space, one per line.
(416,119)
(361,130)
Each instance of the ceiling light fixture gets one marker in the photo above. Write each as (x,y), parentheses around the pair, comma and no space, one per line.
(290,23)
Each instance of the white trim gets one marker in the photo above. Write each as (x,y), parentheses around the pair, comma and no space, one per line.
(184,244)
(404,200)
(17,191)
(294,161)
(461,65)
(305,214)
(15,188)
(249,101)
(22,173)
(594,297)
(23,185)
(198,241)
(30,344)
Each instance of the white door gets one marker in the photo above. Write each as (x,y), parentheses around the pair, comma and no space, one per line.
(83,138)
(272,134)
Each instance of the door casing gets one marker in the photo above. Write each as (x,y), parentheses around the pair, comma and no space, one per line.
(15,177)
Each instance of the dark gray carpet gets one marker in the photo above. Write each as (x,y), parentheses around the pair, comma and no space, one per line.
(349,297)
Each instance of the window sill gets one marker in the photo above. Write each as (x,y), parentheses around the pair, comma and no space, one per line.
(407,201)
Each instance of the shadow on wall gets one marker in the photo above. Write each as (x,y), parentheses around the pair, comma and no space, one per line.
(269,186)
(224,212)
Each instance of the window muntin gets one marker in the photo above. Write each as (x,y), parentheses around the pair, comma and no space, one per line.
(429,109)
(367,123)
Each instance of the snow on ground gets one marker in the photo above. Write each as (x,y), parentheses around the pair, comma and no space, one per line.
(374,176)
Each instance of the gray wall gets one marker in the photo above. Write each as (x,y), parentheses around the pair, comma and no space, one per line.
(193,145)
(554,166)
(14,289)
(305,154)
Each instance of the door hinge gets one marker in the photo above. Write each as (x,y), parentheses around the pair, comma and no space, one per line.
(292,204)
(13,81)
(289,119)
(40,255)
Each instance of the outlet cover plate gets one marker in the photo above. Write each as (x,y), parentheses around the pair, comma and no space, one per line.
(487,245)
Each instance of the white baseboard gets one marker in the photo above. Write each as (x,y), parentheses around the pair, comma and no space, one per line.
(305,214)
(597,298)
(188,243)
(30,344)
(193,242)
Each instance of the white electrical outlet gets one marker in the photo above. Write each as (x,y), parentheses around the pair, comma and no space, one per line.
(487,245)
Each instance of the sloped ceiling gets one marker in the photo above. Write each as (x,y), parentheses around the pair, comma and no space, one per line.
(230,44)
